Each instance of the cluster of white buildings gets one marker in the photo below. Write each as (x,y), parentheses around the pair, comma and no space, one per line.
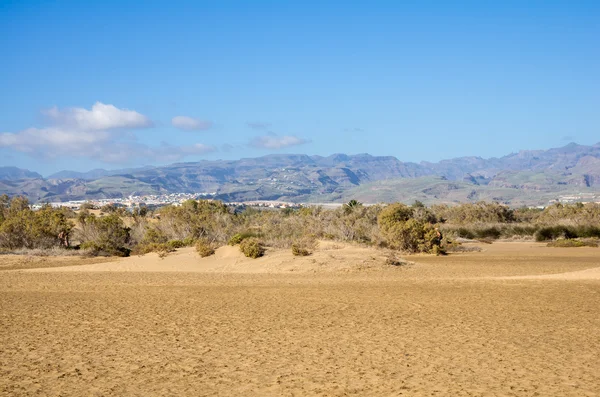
(578,198)
(264,204)
(135,201)
(165,199)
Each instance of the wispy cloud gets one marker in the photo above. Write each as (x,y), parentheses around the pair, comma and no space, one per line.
(97,134)
(276,142)
(190,124)
(258,125)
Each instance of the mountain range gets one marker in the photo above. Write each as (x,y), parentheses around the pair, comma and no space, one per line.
(527,177)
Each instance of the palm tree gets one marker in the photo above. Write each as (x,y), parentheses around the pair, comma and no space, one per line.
(351,205)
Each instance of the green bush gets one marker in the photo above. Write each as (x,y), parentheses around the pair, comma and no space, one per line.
(252,247)
(175,244)
(239,237)
(188,241)
(104,250)
(465,233)
(154,235)
(587,231)
(555,232)
(405,233)
(20,227)
(104,235)
(564,243)
(493,233)
(204,248)
(438,250)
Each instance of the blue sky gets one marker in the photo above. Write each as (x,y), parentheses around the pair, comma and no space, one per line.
(115,84)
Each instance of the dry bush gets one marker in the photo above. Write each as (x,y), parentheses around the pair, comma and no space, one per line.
(161,248)
(252,247)
(304,246)
(55,251)
(196,220)
(456,248)
(393,260)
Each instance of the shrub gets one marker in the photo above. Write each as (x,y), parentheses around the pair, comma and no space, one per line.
(555,232)
(105,235)
(252,247)
(527,230)
(96,249)
(572,243)
(197,219)
(587,231)
(154,235)
(161,248)
(188,241)
(437,250)
(23,228)
(465,233)
(393,260)
(488,233)
(204,248)
(239,237)
(175,244)
(472,213)
(405,233)
(304,246)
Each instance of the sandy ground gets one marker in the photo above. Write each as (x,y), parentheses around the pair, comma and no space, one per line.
(518,319)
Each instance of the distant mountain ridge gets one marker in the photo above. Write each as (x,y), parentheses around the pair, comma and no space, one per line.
(299,177)
(14,173)
(94,174)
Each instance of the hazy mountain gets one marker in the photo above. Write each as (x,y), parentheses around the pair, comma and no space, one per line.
(527,176)
(14,173)
(93,174)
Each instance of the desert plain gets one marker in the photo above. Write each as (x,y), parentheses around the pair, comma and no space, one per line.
(516,319)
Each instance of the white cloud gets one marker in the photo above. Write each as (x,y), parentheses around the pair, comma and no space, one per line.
(100,117)
(51,143)
(190,124)
(277,142)
(97,134)
(54,140)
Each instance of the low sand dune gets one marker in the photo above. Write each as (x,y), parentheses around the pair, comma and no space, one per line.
(330,257)
(343,325)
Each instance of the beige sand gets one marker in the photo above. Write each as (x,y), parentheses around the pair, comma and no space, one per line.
(517,319)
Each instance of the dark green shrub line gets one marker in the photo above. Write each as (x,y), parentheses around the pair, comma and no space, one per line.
(567,232)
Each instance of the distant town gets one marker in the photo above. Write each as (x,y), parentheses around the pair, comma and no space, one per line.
(155,201)
(577,198)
